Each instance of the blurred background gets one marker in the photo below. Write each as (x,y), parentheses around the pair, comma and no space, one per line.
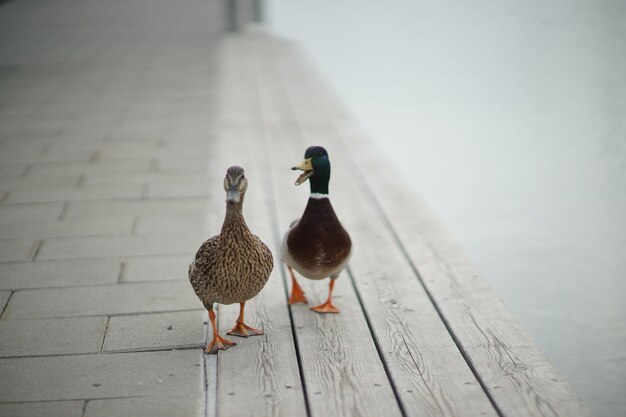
(509,119)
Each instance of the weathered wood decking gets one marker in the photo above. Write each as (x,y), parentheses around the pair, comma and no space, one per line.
(420,333)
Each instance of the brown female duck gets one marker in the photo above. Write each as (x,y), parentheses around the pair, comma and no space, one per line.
(233,266)
(316,245)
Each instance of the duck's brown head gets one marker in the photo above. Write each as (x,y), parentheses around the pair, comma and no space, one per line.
(235,185)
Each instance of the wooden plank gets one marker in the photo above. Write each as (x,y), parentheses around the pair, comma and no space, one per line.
(343,373)
(492,339)
(512,369)
(259,376)
(430,373)
(431,376)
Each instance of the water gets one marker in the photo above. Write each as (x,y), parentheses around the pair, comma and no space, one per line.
(509,118)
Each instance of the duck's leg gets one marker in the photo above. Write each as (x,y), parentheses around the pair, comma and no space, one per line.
(297,295)
(242,329)
(218,342)
(327,307)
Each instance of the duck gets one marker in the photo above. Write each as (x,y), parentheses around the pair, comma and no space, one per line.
(233,266)
(316,245)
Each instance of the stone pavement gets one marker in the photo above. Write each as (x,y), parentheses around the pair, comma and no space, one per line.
(105,130)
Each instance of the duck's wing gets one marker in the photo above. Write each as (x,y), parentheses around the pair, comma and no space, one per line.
(267,258)
(203,263)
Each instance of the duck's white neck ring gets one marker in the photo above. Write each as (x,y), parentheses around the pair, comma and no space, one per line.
(318,196)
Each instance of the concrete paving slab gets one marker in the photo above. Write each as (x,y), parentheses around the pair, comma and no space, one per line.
(199,165)
(92,192)
(151,206)
(182,224)
(113,165)
(141,177)
(59,273)
(42,228)
(4,297)
(102,300)
(144,407)
(20,147)
(155,268)
(30,211)
(160,330)
(39,181)
(175,373)
(108,246)
(188,189)
(43,409)
(161,149)
(17,249)
(38,157)
(71,335)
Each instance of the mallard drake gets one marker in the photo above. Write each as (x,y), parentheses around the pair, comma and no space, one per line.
(316,245)
(231,267)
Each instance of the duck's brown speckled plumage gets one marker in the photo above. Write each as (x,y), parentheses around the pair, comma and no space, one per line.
(231,267)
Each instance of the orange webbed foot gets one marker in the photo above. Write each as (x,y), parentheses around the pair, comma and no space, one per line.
(243,330)
(219,343)
(297,296)
(326,308)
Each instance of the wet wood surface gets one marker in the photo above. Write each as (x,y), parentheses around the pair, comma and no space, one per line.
(420,332)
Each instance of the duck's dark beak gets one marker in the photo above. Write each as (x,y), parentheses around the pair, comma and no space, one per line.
(305,166)
(233,195)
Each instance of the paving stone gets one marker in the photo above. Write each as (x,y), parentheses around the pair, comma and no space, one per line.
(13,170)
(26,130)
(81,226)
(59,273)
(51,336)
(6,128)
(141,177)
(30,211)
(155,268)
(102,300)
(132,149)
(108,246)
(187,189)
(62,180)
(200,165)
(175,373)
(161,330)
(18,155)
(114,165)
(38,157)
(144,407)
(7,145)
(17,249)
(173,223)
(92,192)
(43,409)
(152,206)
(4,297)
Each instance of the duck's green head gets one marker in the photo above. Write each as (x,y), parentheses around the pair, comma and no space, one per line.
(316,167)
(235,185)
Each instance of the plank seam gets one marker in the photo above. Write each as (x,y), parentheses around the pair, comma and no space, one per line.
(276,234)
(419,278)
(381,356)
